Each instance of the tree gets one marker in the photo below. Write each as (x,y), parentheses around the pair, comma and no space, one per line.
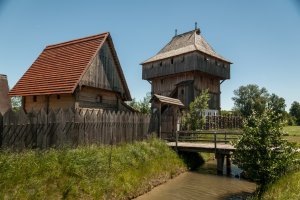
(142,106)
(16,103)
(295,111)
(194,118)
(261,152)
(249,98)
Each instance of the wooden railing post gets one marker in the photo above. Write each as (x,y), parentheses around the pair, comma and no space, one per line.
(176,139)
(215,140)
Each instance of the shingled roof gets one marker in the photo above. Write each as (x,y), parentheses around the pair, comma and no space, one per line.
(166,100)
(185,43)
(60,67)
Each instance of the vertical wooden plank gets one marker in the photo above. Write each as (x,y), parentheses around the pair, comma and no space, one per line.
(1,129)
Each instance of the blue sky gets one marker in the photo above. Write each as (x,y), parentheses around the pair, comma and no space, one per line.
(261,38)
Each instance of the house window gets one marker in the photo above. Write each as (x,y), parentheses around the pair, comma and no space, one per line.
(99,99)
(160,64)
(182,59)
(58,96)
(182,92)
(162,81)
(172,61)
(34,98)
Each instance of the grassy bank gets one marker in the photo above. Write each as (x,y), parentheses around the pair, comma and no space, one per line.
(87,172)
(287,188)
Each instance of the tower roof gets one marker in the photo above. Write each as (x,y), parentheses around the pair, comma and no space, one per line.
(185,43)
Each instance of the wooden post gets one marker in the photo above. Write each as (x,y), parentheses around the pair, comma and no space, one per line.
(1,129)
(176,139)
(228,165)
(159,120)
(220,163)
(215,140)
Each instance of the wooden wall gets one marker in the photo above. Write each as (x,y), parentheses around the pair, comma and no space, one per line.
(64,101)
(165,85)
(103,72)
(89,97)
(186,93)
(187,62)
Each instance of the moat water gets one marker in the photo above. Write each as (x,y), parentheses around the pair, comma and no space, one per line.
(202,184)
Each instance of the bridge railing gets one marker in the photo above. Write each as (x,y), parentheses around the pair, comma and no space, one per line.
(205,136)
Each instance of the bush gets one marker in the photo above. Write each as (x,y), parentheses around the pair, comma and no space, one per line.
(261,151)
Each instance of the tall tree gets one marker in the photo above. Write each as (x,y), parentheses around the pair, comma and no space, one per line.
(251,98)
(248,98)
(295,111)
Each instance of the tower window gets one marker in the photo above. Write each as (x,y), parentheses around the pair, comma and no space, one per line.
(34,98)
(99,99)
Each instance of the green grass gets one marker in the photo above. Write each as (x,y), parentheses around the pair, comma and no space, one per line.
(90,172)
(293,133)
(287,188)
(292,130)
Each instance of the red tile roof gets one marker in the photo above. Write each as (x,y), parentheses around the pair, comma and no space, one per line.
(60,67)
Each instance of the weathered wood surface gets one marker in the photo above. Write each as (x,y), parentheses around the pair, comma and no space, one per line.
(202,147)
(205,141)
(70,128)
(185,63)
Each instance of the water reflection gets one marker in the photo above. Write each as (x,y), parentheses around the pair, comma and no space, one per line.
(203,184)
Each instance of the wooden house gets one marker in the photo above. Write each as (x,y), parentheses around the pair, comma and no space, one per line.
(81,73)
(186,66)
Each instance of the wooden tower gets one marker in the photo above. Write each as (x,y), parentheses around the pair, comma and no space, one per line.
(186,66)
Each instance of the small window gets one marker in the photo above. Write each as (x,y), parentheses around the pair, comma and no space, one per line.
(58,96)
(182,59)
(99,99)
(162,81)
(182,92)
(172,61)
(34,98)
(160,64)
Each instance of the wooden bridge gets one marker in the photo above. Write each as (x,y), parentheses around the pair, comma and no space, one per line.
(211,141)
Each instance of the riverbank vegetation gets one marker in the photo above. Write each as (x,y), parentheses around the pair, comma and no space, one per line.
(105,172)
(262,152)
(287,187)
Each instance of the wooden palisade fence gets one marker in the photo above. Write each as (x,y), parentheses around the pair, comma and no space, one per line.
(223,122)
(70,128)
